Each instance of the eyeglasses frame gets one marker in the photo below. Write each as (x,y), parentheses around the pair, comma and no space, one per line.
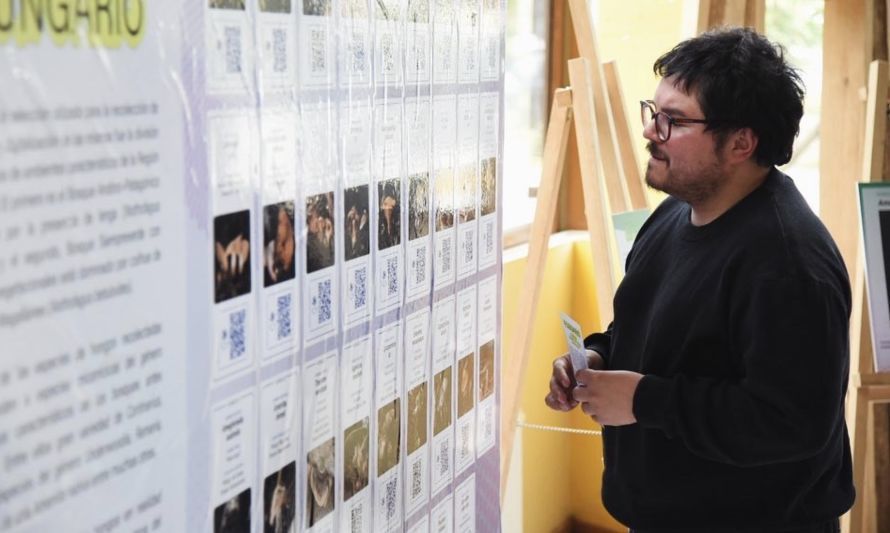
(650,106)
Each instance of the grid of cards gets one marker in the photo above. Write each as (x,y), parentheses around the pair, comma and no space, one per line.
(347,157)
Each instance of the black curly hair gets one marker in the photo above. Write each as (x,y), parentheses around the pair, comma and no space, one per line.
(741,80)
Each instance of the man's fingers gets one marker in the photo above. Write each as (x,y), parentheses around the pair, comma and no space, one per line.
(557,390)
(559,405)
(562,369)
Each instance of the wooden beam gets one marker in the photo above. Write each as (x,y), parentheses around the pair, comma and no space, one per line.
(876,39)
(623,139)
(545,211)
(843,121)
(610,156)
(755,15)
(876,121)
(881,447)
(596,204)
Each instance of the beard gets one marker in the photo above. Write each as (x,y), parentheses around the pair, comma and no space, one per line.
(691,185)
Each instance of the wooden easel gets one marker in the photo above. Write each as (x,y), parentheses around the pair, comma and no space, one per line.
(867,387)
(595,104)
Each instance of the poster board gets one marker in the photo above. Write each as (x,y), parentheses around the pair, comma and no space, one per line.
(874,203)
(194,201)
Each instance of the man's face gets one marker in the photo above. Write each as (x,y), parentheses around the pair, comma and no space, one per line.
(689,165)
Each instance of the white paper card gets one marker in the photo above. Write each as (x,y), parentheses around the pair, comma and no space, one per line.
(388,466)
(319,419)
(575,340)
(356,382)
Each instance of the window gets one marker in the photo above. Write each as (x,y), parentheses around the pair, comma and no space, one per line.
(525,107)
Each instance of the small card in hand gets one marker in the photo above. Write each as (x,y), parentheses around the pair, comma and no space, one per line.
(575,341)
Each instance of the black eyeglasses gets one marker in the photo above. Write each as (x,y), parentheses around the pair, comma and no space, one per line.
(663,121)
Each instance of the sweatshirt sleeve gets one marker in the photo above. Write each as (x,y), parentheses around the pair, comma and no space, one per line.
(793,339)
(600,343)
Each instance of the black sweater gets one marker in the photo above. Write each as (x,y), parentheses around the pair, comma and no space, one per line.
(740,328)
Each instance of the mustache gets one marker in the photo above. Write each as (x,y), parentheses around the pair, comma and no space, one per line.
(654,151)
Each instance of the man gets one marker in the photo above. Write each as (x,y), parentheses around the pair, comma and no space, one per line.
(720,383)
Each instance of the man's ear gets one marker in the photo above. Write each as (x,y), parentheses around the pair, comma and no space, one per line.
(742,144)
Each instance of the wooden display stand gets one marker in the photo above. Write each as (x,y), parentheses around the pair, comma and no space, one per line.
(595,104)
(868,388)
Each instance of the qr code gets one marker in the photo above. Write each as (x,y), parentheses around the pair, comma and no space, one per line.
(415,479)
(444,458)
(232,36)
(392,276)
(464,440)
(279,50)
(420,265)
(493,50)
(446,255)
(357,54)
(390,499)
(419,52)
(468,248)
(387,48)
(283,316)
(323,301)
(359,287)
(317,50)
(355,519)
(237,344)
(445,52)
(470,60)
(488,238)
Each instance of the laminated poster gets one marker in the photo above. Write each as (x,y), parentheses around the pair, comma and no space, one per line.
(442,516)
(92,280)
(468,30)
(320,295)
(417,384)
(315,46)
(486,381)
(388,444)
(465,448)
(355,43)
(250,271)
(444,139)
(356,382)
(465,506)
(232,164)
(489,147)
(280,417)
(355,120)
(389,253)
(319,443)
(277,43)
(229,51)
(444,41)
(388,42)
(419,248)
(443,394)
(279,311)
(490,37)
(417,42)
(466,198)
(234,455)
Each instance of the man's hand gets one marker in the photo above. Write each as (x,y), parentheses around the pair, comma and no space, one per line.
(562,381)
(607,396)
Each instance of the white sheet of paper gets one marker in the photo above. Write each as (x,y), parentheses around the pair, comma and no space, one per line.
(576,342)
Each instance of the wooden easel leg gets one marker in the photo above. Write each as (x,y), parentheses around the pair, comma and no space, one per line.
(545,210)
(853,521)
(596,203)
